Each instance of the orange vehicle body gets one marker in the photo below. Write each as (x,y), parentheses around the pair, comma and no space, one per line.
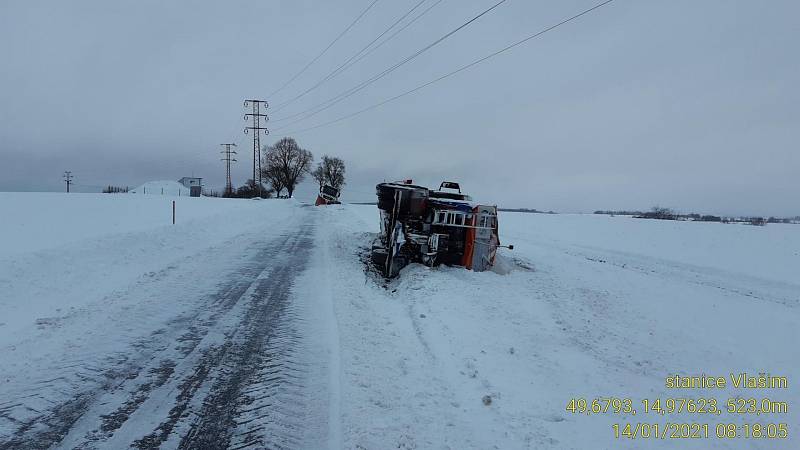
(485,236)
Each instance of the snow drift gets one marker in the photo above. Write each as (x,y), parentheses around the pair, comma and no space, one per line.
(163,187)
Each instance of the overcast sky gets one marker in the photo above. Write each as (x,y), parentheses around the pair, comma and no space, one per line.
(686,104)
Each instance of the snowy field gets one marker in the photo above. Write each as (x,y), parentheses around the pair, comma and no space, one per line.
(255,324)
(59,253)
(597,306)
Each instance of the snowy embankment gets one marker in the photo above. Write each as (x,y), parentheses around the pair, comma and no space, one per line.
(35,221)
(595,307)
(163,187)
(61,252)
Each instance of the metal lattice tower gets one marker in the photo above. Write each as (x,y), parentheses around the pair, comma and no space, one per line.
(228,158)
(256,116)
(68,178)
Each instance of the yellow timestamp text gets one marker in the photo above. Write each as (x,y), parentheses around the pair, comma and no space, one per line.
(667,430)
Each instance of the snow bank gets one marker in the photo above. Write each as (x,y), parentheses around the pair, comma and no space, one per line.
(39,220)
(771,252)
(61,252)
(163,187)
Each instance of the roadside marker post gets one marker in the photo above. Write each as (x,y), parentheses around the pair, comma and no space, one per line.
(173,212)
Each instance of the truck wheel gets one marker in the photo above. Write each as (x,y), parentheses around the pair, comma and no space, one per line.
(379,256)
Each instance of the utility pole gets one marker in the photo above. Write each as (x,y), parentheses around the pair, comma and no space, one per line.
(228,158)
(68,178)
(256,116)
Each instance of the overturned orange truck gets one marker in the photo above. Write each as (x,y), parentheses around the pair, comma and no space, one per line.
(328,195)
(433,227)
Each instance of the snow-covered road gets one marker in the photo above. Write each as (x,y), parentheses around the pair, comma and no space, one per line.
(211,349)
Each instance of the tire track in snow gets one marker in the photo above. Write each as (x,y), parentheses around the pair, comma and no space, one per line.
(252,402)
(129,385)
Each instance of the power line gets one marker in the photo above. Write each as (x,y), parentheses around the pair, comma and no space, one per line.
(294,77)
(400,30)
(449,74)
(342,67)
(387,39)
(330,102)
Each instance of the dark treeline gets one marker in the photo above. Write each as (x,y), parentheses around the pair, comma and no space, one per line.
(250,190)
(525,210)
(619,213)
(660,213)
(114,189)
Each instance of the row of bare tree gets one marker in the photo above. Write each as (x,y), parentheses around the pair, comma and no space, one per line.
(329,171)
(285,164)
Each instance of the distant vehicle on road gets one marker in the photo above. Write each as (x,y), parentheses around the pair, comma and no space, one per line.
(328,195)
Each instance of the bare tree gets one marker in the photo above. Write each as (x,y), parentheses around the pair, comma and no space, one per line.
(273,175)
(319,174)
(334,172)
(662,213)
(330,171)
(287,163)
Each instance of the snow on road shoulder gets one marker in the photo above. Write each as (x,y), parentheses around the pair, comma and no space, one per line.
(61,253)
(32,221)
(420,356)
